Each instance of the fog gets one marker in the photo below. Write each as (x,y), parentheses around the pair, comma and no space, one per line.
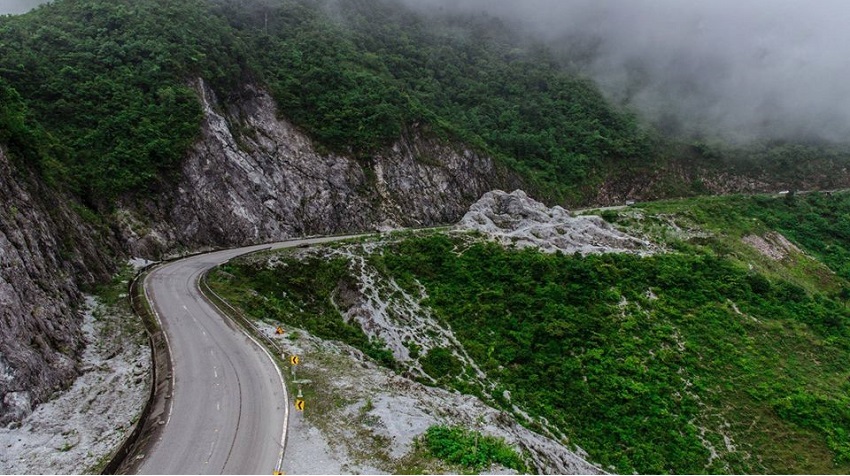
(742,69)
(18,6)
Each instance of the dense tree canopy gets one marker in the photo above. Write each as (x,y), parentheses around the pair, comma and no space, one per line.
(112,83)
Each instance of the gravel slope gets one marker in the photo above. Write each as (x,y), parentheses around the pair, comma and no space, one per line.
(75,431)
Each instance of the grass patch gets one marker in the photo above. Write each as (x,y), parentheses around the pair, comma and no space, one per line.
(470,449)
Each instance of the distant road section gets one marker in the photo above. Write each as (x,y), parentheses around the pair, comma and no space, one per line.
(227,410)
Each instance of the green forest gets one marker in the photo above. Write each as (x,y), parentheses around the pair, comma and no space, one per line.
(111,84)
(105,92)
(709,357)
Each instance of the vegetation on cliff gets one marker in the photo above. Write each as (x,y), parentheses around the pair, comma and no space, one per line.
(110,84)
(112,79)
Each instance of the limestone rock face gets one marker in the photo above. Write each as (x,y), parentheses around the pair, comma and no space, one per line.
(46,253)
(253,177)
(516,219)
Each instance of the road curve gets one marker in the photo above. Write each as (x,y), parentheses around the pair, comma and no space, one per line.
(228,403)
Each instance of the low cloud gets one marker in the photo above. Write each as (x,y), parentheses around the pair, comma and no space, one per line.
(743,70)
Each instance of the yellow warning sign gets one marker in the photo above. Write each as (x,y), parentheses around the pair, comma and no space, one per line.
(299,404)
(294,360)
(279,331)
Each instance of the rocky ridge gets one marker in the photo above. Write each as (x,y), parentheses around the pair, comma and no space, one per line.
(253,177)
(518,220)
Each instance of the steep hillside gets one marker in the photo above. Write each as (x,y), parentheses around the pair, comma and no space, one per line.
(148,126)
(253,177)
(47,254)
(724,351)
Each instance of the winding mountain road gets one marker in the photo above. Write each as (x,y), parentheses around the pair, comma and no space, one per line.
(227,413)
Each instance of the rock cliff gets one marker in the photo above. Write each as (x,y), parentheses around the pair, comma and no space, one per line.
(253,177)
(46,254)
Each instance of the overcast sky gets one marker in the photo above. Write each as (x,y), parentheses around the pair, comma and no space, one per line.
(18,6)
(741,67)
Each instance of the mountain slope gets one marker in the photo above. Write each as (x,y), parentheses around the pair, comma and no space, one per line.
(113,80)
(726,353)
(146,127)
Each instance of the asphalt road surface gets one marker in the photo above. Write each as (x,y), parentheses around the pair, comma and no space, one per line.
(228,405)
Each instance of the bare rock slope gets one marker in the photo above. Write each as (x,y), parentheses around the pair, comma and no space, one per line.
(254,177)
(75,432)
(516,219)
(46,253)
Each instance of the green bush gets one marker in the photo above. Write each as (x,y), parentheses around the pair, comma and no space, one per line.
(440,363)
(578,341)
(471,449)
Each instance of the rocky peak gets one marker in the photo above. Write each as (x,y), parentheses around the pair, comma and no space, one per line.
(517,219)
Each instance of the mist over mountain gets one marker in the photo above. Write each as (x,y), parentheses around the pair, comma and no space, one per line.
(742,70)
(755,70)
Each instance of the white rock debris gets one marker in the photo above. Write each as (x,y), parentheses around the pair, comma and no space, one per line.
(516,219)
(139,263)
(381,414)
(773,245)
(387,312)
(73,432)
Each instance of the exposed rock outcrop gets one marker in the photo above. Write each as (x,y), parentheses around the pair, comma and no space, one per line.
(46,253)
(251,177)
(773,245)
(254,177)
(516,219)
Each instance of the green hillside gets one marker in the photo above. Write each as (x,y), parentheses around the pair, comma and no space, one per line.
(112,79)
(716,356)
(109,85)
